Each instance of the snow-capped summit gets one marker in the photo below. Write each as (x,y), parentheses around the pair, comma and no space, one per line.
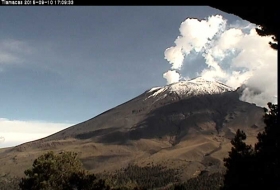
(196,86)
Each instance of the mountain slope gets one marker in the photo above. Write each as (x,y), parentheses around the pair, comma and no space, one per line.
(129,115)
(185,125)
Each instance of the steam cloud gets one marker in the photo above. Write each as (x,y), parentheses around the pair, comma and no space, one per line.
(171,76)
(2,139)
(235,55)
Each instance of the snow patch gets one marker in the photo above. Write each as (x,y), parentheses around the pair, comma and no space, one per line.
(197,86)
(153,89)
(160,90)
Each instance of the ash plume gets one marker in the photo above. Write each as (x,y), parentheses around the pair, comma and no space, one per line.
(233,54)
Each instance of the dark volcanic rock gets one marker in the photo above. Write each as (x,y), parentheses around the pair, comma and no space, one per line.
(187,124)
(209,107)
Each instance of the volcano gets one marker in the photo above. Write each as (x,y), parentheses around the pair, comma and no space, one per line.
(186,125)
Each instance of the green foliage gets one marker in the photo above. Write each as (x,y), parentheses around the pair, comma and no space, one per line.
(206,182)
(83,180)
(147,177)
(268,151)
(257,168)
(238,163)
(8,183)
(62,171)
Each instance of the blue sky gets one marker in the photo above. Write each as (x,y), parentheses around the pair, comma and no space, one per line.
(62,65)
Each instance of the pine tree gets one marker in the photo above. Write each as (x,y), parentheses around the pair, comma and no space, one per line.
(268,150)
(238,164)
(61,172)
(257,168)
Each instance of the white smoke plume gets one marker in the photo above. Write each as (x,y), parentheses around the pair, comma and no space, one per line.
(171,76)
(233,55)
